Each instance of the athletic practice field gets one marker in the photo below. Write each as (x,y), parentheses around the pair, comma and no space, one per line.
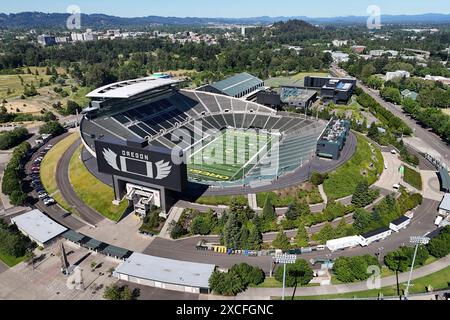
(229,156)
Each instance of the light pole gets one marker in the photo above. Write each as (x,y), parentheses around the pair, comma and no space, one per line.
(417,241)
(285,259)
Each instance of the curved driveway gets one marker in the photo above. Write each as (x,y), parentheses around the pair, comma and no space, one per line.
(62,179)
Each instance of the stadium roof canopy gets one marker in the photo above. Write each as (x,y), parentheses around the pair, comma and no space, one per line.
(129,88)
(237,84)
(38,226)
(166,270)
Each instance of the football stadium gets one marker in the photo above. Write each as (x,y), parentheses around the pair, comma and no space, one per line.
(207,139)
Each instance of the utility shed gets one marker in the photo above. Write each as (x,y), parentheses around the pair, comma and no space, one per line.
(166,273)
(38,227)
(400,223)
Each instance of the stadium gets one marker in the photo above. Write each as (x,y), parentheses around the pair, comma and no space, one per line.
(223,142)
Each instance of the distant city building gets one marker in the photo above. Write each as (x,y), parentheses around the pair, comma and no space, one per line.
(46,40)
(339,43)
(297,49)
(236,86)
(339,56)
(358,49)
(409,94)
(443,80)
(397,74)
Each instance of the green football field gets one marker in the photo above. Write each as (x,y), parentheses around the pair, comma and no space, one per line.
(229,156)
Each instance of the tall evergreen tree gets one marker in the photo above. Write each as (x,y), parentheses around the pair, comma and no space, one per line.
(231,232)
(268,212)
(302,238)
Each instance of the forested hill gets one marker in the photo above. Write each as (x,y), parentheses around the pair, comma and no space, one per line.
(58,20)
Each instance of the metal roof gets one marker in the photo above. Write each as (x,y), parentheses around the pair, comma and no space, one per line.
(375,232)
(445,203)
(130,88)
(93,244)
(38,226)
(400,220)
(73,236)
(237,84)
(116,252)
(166,270)
(445,179)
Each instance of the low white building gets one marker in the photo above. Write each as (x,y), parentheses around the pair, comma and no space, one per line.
(400,223)
(444,206)
(166,273)
(38,227)
(342,243)
(339,56)
(397,74)
(374,236)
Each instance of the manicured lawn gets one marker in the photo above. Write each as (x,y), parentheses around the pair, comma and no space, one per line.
(294,79)
(80,96)
(92,191)
(270,283)
(438,280)
(10,261)
(413,178)
(221,200)
(342,182)
(48,169)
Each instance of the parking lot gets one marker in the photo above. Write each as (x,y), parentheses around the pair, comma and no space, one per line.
(46,282)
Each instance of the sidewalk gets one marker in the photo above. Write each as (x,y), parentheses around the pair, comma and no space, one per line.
(174,215)
(345,288)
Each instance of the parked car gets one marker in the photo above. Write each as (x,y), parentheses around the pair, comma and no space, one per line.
(42,195)
(49,201)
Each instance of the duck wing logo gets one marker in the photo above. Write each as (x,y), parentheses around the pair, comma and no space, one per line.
(111,158)
(163,169)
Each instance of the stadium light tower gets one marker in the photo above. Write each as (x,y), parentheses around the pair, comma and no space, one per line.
(417,241)
(285,259)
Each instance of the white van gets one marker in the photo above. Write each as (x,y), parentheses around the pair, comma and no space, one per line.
(396,186)
(438,220)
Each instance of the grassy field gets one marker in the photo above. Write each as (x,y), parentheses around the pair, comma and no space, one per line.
(296,79)
(413,178)
(227,157)
(439,280)
(48,170)
(343,181)
(10,261)
(13,83)
(92,191)
(221,200)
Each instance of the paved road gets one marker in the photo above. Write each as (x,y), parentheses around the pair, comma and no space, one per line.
(429,138)
(346,288)
(421,224)
(55,212)
(62,179)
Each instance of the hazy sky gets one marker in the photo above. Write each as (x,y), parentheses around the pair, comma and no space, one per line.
(230,8)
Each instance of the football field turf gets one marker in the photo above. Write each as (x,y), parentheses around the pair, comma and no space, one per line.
(229,156)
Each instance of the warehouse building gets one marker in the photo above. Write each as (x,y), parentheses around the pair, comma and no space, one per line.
(238,86)
(338,90)
(333,139)
(444,206)
(166,273)
(298,97)
(38,227)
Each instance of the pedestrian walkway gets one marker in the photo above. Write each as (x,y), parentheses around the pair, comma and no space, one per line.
(345,288)
(174,215)
(323,194)
(252,202)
